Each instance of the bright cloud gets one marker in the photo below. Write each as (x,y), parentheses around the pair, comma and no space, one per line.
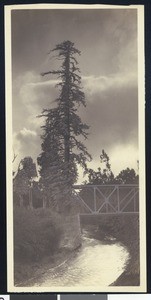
(27,133)
(100,84)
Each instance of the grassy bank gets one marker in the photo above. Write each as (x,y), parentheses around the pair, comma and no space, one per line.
(37,235)
(31,272)
(41,241)
(125,229)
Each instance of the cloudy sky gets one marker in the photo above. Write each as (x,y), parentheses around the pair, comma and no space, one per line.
(107,39)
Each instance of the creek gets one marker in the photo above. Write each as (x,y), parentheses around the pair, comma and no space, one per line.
(94,264)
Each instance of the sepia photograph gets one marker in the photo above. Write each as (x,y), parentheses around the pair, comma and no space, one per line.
(75,148)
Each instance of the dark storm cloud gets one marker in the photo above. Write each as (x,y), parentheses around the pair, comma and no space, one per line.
(101,35)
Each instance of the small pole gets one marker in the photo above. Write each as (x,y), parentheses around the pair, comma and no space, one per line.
(134,201)
(94,199)
(118,199)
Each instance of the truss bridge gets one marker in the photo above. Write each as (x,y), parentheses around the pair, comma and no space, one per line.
(107,199)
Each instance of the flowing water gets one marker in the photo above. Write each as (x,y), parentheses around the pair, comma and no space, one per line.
(94,264)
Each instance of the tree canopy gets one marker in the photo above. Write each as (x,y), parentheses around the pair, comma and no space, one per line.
(105,175)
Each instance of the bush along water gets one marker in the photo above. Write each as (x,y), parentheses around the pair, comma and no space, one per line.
(43,239)
(37,234)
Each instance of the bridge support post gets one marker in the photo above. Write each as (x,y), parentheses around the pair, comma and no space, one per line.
(134,201)
(118,199)
(95,199)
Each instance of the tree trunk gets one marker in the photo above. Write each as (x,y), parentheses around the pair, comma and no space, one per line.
(44,203)
(30,199)
(67,110)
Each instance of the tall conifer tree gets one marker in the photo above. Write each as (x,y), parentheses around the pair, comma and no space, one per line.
(62,146)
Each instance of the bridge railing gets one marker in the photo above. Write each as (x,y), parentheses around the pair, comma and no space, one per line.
(107,199)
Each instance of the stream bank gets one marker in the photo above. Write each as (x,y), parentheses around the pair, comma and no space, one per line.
(42,239)
(125,230)
(31,271)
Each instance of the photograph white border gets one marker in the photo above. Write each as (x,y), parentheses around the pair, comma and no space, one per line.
(141,100)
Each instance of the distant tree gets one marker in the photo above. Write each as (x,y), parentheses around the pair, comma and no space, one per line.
(127,176)
(24,178)
(62,151)
(103,175)
(21,185)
